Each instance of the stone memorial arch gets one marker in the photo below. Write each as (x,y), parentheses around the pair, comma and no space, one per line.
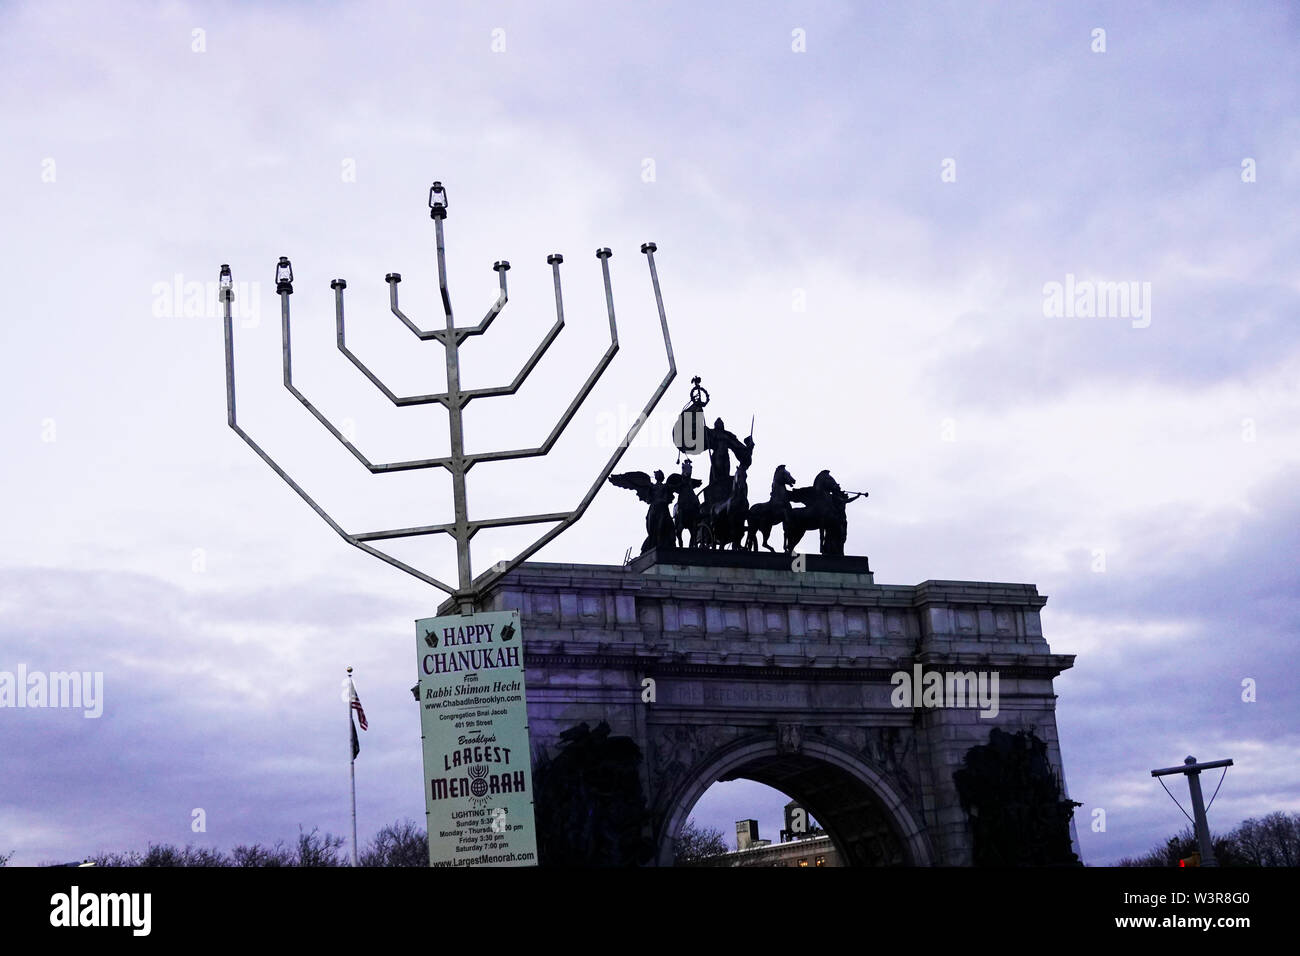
(721,665)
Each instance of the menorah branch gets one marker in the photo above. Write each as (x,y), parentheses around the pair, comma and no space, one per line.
(504,567)
(287,361)
(338,285)
(473,526)
(501,268)
(603,255)
(231,420)
(470,394)
(392,279)
(415,532)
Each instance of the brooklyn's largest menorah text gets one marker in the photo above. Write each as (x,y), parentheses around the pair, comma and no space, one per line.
(458,463)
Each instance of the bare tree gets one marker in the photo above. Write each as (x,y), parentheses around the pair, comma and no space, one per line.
(319,850)
(1182,846)
(696,843)
(1273,840)
(164,854)
(258,855)
(313,849)
(398,844)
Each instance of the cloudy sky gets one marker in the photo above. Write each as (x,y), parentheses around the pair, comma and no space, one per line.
(858,209)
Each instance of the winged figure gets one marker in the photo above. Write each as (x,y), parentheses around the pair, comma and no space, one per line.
(658,494)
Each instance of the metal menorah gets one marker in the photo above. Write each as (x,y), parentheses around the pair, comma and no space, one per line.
(454,399)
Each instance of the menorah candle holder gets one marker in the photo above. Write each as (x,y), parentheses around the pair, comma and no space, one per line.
(462,529)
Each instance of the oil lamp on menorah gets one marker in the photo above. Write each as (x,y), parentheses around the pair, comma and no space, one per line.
(454,399)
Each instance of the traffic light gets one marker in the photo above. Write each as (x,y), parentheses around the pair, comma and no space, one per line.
(1193,860)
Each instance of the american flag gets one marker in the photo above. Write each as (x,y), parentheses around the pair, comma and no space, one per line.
(356,705)
(361,717)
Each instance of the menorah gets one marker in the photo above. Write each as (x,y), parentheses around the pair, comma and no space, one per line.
(454,399)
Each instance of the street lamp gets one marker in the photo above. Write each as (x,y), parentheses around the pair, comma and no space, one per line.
(226,287)
(283,275)
(437,201)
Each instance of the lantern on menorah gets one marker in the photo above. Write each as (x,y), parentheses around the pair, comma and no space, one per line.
(437,201)
(283,275)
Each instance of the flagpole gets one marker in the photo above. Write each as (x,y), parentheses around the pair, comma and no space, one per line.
(352,767)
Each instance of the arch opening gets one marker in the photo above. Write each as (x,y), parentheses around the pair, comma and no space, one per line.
(862,814)
(744,823)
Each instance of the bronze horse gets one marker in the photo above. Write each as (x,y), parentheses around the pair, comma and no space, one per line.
(766,515)
(825,502)
(724,521)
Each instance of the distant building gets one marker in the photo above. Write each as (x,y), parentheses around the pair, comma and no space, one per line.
(747,835)
(801,845)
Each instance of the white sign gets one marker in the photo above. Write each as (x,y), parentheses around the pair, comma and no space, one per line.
(478,787)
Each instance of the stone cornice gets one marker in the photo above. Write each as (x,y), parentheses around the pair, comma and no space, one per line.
(725,583)
(707,664)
